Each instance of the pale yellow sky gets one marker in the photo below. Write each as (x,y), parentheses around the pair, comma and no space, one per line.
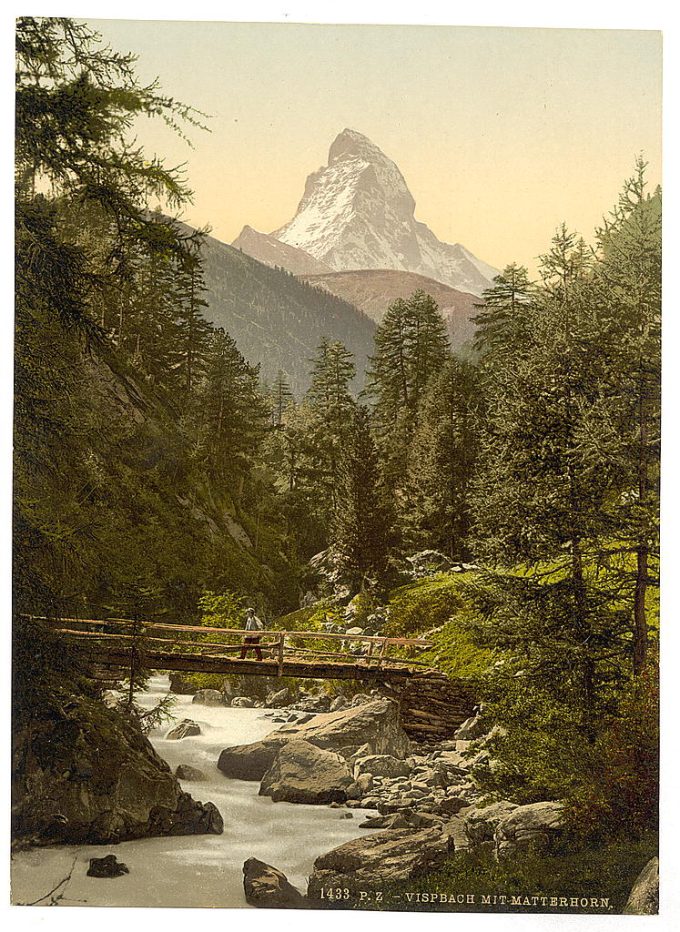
(501,134)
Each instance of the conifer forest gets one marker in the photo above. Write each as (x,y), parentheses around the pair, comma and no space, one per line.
(499,501)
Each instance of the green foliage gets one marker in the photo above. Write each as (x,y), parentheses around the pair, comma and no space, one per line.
(137,426)
(411,344)
(618,789)
(455,652)
(438,609)
(331,406)
(223,610)
(361,528)
(43,668)
(608,871)
(568,487)
(425,604)
(226,415)
(441,461)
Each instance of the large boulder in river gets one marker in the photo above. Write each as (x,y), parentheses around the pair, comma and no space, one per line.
(303,773)
(208,697)
(187,772)
(267,887)
(85,774)
(534,826)
(375,860)
(108,866)
(644,897)
(374,727)
(250,761)
(184,729)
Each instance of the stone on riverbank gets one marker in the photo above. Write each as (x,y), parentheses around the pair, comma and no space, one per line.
(303,773)
(87,775)
(481,821)
(375,727)
(279,699)
(473,727)
(375,860)
(644,897)
(268,888)
(535,826)
(381,765)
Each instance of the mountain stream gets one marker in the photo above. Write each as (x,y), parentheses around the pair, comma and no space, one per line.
(195,870)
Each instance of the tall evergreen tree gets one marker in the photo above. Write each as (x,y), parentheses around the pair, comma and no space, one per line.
(191,331)
(281,398)
(442,461)
(620,432)
(411,344)
(361,525)
(330,399)
(229,414)
(505,314)
(81,224)
(538,501)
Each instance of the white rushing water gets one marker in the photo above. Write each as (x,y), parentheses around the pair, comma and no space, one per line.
(196,870)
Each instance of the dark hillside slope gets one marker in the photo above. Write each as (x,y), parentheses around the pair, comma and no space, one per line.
(277,320)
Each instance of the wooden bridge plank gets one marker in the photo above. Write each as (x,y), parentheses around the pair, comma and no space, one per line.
(120,658)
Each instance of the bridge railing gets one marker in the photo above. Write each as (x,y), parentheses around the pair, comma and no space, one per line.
(280,645)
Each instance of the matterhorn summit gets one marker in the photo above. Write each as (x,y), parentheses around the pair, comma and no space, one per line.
(358,213)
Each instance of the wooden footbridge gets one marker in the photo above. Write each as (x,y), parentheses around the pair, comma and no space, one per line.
(118,643)
(432,704)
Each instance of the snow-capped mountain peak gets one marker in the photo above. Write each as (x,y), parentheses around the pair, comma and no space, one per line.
(358,213)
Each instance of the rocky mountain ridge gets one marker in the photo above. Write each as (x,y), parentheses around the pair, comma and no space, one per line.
(373,290)
(358,213)
(277,320)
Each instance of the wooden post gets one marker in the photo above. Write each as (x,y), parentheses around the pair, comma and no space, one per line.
(282,638)
(370,652)
(383,649)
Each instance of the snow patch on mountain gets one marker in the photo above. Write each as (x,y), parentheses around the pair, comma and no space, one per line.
(358,213)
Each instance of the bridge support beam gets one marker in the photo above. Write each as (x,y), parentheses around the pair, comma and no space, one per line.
(433,706)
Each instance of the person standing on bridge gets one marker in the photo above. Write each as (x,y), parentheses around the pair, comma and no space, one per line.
(252,642)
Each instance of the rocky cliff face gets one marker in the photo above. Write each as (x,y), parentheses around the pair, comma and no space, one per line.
(82,774)
(273,252)
(358,213)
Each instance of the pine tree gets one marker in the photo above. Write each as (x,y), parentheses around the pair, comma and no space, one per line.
(281,396)
(538,501)
(620,431)
(361,525)
(192,332)
(228,412)
(411,344)
(330,400)
(505,314)
(442,460)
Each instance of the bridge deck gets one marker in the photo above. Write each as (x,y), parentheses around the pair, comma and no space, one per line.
(126,644)
(356,668)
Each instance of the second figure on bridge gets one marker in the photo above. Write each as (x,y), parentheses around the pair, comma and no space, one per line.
(252,642)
